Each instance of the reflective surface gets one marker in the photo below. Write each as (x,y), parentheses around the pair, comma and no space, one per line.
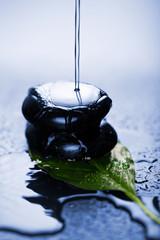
(122,59)
(58,108)
(63,94)
(33,203)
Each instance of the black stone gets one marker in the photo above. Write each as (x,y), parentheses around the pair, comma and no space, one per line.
(72,147)
(49,116)
(68,124)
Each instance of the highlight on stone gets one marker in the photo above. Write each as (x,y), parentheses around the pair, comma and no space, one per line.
(66,123)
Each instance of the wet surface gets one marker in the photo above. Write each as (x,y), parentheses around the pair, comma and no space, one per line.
(123,60)
(32,203)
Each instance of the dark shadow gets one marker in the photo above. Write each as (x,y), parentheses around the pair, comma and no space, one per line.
(49,191)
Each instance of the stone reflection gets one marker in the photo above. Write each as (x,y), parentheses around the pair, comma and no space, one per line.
(49,192)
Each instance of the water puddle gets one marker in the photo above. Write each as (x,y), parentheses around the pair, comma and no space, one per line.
(35,204)
(16,213)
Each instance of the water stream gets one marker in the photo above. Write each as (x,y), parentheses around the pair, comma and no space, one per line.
(35,206)
(77,45)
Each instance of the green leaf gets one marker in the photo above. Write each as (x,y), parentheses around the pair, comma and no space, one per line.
(114,171)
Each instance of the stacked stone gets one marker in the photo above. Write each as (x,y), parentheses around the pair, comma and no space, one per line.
(66,124)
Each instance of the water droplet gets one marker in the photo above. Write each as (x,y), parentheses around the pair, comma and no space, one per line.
(115,160)
(71,205)
(125,165)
